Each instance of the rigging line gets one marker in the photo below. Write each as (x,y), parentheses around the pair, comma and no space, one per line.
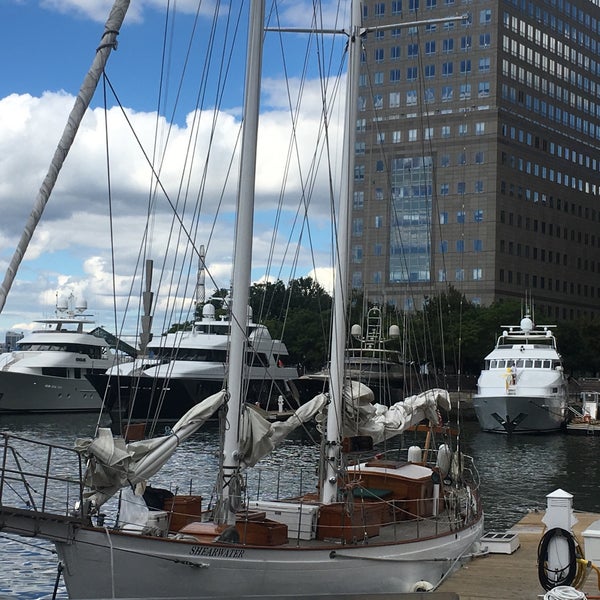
(188,165)
(309,181)
(112,246)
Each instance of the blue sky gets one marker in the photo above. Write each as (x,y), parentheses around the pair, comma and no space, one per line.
(48,46)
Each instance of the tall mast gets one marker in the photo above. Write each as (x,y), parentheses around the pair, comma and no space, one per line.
(338,334)
(242,262)
(88,87)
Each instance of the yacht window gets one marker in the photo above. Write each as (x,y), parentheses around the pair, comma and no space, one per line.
(528,363)
(501,364)
(537,364)
(519,363)
(493,364)
(547,364)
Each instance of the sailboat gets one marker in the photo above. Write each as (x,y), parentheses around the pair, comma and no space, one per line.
(378,522)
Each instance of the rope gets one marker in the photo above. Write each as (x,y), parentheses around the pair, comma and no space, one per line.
(564,592)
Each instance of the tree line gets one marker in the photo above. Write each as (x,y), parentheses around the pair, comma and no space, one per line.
(449,333)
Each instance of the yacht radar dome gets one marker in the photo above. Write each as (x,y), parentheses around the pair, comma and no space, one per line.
(526,324)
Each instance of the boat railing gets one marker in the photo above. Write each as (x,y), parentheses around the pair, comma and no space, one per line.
(39,476)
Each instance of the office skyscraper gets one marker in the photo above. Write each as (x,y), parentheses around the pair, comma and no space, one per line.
(477,153)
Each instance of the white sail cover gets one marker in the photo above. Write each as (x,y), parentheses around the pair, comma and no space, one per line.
(383,422)
(258,436)
(113,464)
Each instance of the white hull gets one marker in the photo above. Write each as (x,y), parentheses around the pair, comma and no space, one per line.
(520,414)
(102,564)
(143,567)
(30,393)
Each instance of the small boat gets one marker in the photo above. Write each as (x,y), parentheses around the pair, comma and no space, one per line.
(585,419)
(522,387)
(382,519)
(47,373)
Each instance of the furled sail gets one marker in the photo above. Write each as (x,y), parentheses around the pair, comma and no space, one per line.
(383,422)
(113,464)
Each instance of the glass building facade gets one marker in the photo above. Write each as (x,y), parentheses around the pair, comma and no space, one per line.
(477,153)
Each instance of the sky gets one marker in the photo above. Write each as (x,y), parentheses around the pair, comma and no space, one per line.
(47,47)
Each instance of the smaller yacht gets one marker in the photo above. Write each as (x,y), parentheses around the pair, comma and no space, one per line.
(522,387)
(47,373)
(180,369)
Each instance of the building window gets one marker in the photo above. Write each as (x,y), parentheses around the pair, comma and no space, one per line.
(447,69)
(445,131)
(429,71)
(484,65)
(460,187)
(357,227)
(444,189)
(460,246)
(480,128)
(430,47)
(411,73)
(479,186)
(446,93)
(411,98)
(477,274)
(394,99)
(378,101)
(460,216)
(485,16)
(479,157)
(361,124)
(444,246)
(357,254)
(483,89)
(478,216)
(465,91)
(379,9)
(359,200)
(395,52)
(463,129)
(448,46)
(359,148)
(378,78)
(413,50)
(477,245)
(485,40)
(396,137)
(378,222)
(443,218)
(465,42)
(359,173)
(460,274)
(429,95)
(442,275)
(465,66)
(394,75)
(445,160)
(412,135)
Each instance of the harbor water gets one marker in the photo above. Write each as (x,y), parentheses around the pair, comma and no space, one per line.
(516,475)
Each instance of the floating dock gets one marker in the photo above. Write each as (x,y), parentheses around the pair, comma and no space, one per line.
(500,575)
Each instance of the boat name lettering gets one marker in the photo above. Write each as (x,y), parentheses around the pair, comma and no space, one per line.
(216,552)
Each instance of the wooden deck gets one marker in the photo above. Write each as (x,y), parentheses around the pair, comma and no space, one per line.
(514,576)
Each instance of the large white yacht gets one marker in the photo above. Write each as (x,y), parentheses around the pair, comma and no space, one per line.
(181,369)
(47,371)
(522,387)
